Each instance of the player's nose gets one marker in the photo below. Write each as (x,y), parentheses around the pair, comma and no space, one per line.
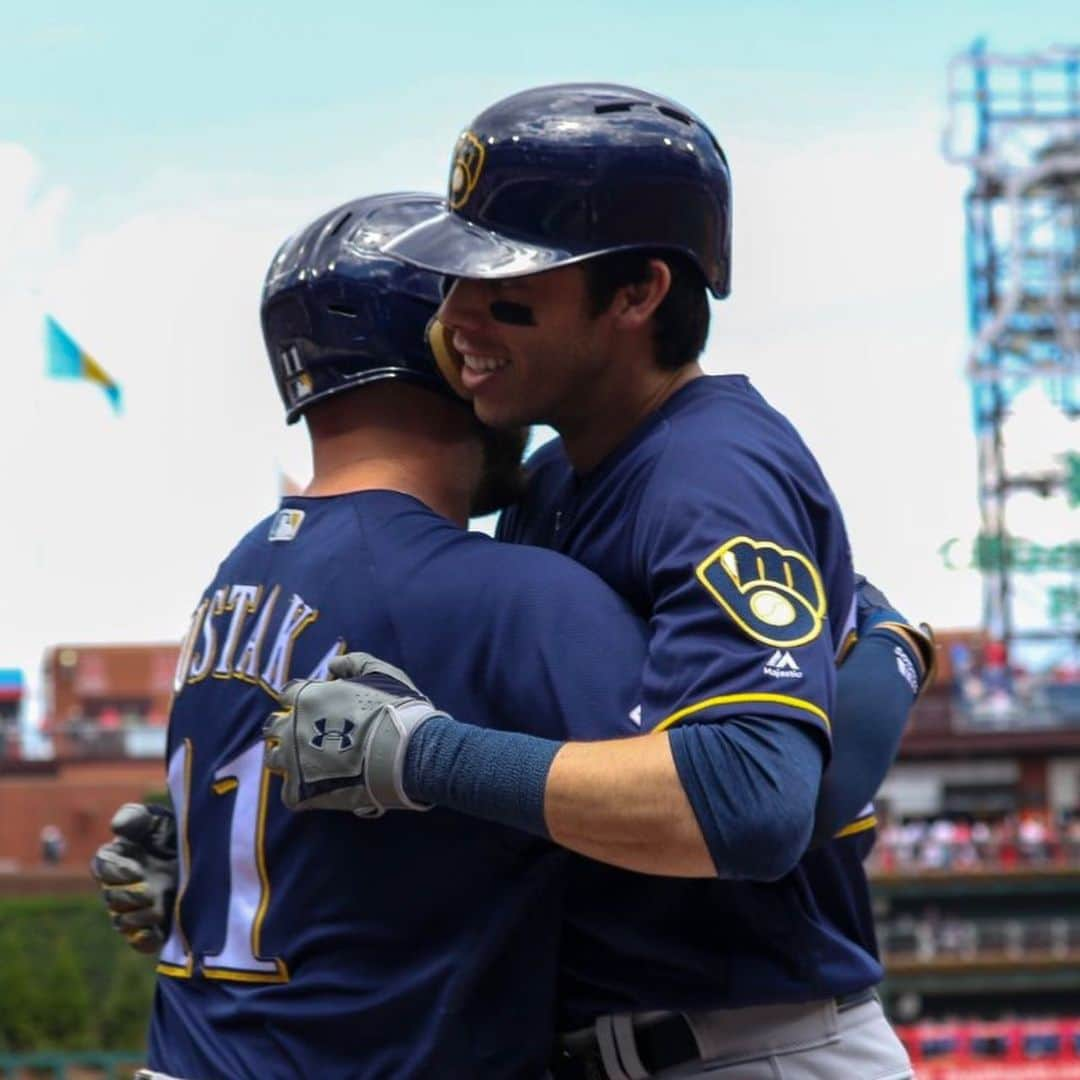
(464,307)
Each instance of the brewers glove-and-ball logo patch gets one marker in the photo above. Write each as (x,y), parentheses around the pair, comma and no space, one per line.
(465,171)
(775,595)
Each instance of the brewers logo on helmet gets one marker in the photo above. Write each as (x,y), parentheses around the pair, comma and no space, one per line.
(558,174)
(465,172)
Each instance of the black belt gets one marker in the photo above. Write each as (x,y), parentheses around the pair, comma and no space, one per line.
(661,1044)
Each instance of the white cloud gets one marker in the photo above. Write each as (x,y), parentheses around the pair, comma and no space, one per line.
(115,524)
(29,219)
(848,313)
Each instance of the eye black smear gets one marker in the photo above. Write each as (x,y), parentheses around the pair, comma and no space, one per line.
(506,311)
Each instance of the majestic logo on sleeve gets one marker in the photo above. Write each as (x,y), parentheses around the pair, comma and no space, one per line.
(782,665)
(774,595)
(465,171)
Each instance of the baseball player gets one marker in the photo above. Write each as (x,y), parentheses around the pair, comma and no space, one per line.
(261,958)
(314,945)
(583,227)
(221,1018)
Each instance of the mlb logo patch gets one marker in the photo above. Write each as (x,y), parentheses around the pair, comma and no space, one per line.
(286,525)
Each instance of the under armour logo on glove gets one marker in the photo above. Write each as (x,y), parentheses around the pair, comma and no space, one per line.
(366,716)
(342,736)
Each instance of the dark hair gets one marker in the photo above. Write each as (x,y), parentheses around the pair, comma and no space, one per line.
(681,322)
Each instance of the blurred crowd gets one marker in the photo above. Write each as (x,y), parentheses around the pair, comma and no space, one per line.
(932,935)
(958,843)
(993,691)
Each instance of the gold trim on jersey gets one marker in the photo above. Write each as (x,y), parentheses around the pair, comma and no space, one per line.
(174,970)
(203,665)
(281,974)
(739,699)
(857,826)
(248,667)
(905,634)
(231,641)
(296,603)
(849,643)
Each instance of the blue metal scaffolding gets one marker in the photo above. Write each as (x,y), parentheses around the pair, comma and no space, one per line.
(1014,121)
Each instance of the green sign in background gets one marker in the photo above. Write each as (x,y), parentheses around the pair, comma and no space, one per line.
(991,554)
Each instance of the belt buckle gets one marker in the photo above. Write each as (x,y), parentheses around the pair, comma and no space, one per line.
(666,1043)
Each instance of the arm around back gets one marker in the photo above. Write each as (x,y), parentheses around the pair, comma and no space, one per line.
(876,687)
(731,800)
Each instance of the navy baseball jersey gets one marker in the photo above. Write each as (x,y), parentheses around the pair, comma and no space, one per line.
(716,524)
(319,944)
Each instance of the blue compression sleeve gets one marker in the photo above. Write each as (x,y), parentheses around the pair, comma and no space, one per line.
(496,775)
(873,702)
(752,784)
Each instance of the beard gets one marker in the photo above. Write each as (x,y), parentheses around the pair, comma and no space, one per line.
(503,479)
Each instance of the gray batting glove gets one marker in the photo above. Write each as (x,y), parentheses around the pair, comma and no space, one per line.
(340,745)
(137,872)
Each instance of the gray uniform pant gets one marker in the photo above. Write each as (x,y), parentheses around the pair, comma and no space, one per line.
(815,1041)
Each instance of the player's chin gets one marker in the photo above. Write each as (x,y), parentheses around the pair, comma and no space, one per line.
(500,410)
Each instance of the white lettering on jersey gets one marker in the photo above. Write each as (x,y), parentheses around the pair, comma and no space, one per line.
(183,661)
(219,624)
(243,600)
(201,665)
(298,615)
(322,668)
(247,667)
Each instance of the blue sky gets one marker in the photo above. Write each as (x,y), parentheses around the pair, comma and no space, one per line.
(152,158)
(273,94)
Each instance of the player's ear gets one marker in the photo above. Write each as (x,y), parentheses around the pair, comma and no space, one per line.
(635,304)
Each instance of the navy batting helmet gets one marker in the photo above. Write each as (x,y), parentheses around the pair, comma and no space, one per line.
(558,174)
(337,312)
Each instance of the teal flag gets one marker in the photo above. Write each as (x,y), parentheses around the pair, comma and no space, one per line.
(65,358)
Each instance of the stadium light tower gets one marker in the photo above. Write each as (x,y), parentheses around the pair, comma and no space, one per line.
(1014,121)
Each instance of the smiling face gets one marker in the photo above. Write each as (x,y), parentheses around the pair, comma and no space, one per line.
(534,352)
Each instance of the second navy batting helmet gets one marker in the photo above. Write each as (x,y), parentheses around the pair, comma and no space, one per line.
(337,312)
(558,174)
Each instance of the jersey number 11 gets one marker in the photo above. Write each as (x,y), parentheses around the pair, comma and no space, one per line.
(244,780)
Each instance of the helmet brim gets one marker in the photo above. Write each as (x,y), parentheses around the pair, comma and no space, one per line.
(449,244)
